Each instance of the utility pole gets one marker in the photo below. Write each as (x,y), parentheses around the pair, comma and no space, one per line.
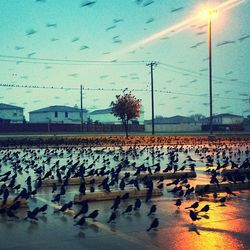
(210,76)
(81,112)
(152,64)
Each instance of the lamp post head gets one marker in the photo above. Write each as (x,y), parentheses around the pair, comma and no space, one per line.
(209,13)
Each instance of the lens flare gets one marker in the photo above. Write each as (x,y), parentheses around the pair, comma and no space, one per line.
(220,8)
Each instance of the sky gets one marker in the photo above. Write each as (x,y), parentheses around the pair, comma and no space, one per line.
(50,47)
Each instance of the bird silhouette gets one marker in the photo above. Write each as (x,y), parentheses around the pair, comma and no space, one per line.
(204,209)
(229,191)
(128,210)
(44,208)
(193,215)
(112,217)
(154,224)
(194,205)
(93,215)
(84,209)
(178,203)
(137,204)
(152,210)
(81,222)
(222,200)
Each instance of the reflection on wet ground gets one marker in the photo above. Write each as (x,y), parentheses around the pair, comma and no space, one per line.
(224,226)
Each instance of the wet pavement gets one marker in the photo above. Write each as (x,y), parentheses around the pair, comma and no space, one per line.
(222,227)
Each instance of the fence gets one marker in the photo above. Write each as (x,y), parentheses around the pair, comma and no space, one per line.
(53,127)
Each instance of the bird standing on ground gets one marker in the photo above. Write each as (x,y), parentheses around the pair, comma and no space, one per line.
(128,209)
(152,210)
(81,222)
(43,209)
(112,217)
(154,224)
(194,205)
(178,203)
(204,209)
(193,215)
(93,215)
(137,204)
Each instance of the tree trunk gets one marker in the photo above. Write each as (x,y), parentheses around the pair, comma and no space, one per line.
(126,127)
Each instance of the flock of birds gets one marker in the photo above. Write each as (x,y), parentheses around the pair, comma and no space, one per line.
(24,171)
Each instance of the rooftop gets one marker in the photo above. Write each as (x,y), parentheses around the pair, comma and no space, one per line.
(226,115)
(172,120)
(105,111)
(8,106)
(57,108)
(101,111)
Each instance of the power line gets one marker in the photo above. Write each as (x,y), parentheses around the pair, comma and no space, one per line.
(76,62)
(113,89)
(36,60)
(198,74)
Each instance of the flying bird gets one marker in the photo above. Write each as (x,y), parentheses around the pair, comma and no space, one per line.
(118,20)
(200,33)
(147,3)
(241,39)
(49,25)
(53,39)
(31,54)
(150,20)
(30,32)
(110,27)
(19,47)
(75,39)
(83,47)
(225,43)
(177,9)
(87,3)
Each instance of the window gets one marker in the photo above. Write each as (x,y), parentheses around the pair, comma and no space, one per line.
(66,114)
(56,114)
(14,114)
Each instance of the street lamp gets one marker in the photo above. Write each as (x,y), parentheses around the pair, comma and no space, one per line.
(210,13)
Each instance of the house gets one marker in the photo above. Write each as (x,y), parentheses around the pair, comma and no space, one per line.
(105,116)
(58,114)
(224,121)
(11,113)
(176,123)
(246,123)
(178,119)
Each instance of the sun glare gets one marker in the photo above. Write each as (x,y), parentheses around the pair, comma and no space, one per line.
(208,13)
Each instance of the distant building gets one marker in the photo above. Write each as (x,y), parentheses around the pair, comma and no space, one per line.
(173,124)
(105,116)
(246,123)
(225,121)
(57,114)
(178,119)
(11,113)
